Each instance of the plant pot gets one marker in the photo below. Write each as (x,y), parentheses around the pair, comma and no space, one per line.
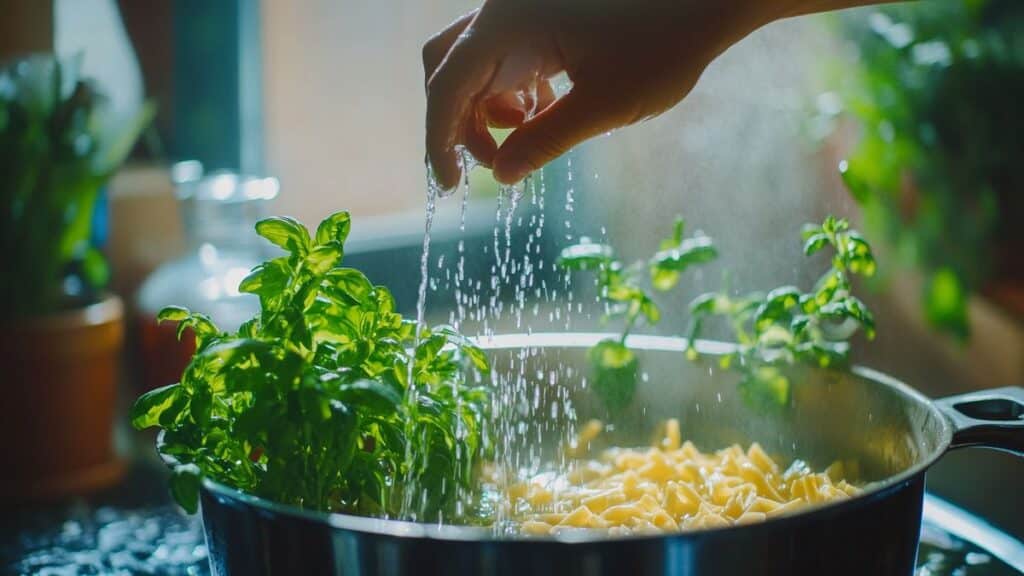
(59,378)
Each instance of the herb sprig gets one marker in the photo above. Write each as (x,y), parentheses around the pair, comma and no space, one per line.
(787,325)
(309,402)
(623,290)
(60,142)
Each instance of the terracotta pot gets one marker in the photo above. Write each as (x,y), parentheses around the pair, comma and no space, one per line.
(58,376)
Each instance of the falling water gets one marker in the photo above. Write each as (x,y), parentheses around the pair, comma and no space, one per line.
(411,398)
(515,298)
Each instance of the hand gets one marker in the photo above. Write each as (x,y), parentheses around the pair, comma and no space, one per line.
(628,60)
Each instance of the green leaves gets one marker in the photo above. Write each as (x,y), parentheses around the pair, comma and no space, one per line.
(310,402)
(615,373)
(268,280)
(285,233)
(944,298)
(788,325)
(370,394)
(669,262)
(765,388)
(185,480)
(936,169)
(60,141)
(146,411)
(324,258)
(173,314)
(334,229)
(204,330)
(622,290)
(586,256)
(697,250)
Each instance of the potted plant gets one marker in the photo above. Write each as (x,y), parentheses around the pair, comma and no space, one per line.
(60,331)
(936,92)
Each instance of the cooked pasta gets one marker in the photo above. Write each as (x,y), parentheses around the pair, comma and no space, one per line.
(671,486)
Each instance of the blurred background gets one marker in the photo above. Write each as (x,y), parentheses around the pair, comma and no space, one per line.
(233,109)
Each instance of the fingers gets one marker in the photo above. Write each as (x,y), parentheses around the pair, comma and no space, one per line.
(505,110)
(435,49)
(545,95)
(479,142)
(510,110)
(565,123)
(452,92)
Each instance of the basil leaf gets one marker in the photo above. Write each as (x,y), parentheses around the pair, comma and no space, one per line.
(376,396)
(173,314)
(585,256)
(697,250)
(815,243)
(765,388)
(334,228)
(285,233)
(269,281)
(323,258)
(146,410)
(615,369)
(185,486)
(350,285)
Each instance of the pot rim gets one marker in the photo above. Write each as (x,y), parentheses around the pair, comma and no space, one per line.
(408,529)
(110,308)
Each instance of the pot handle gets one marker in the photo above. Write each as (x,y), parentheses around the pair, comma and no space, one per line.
(991,418)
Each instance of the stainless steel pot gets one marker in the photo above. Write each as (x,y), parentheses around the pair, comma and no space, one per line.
(892,430)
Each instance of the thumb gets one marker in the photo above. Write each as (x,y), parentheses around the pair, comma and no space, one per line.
(567,122)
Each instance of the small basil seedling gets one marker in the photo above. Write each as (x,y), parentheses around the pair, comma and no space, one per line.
(623,290)
(787,325)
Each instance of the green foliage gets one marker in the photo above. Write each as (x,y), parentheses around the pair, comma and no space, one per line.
(937,90)
(58,146)
(615,373)
(623,291)
(310,403)
(787,325)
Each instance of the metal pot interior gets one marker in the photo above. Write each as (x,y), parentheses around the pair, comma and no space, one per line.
(544,391)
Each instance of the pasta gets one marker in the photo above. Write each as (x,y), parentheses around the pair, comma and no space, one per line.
(671,486)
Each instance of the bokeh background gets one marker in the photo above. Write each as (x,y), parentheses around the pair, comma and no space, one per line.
(327,97)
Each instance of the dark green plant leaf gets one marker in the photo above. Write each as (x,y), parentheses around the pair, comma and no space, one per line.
(945,301)
(185,482)
(615,371)
(709,303)
(95,268)
(173,314)
(697,250)
(269,281)
(376,396)
(585,256)
(815,243)
(323,258)
(146,410)
(334,228)
(350,284)
(765,388)
(285,233)
(664,280)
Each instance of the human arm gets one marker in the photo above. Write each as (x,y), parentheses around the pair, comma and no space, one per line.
(628,60)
